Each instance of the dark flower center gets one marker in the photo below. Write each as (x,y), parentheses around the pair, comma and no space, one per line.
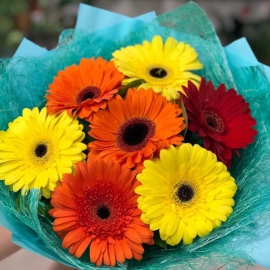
(103,209)
(103,212)
(185,193)
(89,92)
(134,133)
(214,122)
(158,73)
(41,150)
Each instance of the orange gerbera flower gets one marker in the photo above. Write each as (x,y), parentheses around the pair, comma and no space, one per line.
(85,88)
(133,129)
(98,208)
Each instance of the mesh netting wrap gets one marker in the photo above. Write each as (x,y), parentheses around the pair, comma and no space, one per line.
(24,81)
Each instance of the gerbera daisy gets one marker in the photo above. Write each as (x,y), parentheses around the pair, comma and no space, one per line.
(222,118)
(85,88)
(185,193)
(98,208)
(37,149)
(135,128)
(163,67)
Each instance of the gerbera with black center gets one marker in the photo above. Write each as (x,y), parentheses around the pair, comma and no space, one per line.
(85,88)
(38,148)
(98,208)
(136,128)
(164,66)
(185,193)
(222,118)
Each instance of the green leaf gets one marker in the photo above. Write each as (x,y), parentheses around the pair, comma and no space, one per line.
(18,202)
(86,128)
(159,241)
(123,91)
(43,208)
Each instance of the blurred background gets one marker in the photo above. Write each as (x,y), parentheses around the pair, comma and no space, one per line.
(42,21)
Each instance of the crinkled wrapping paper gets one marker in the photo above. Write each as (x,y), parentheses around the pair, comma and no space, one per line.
(24,80)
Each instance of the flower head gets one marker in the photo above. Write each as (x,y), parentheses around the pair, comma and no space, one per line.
(98,208)
(85,88)
(135,128)
(163,67)
(222,118)
(185,193)
(37,149)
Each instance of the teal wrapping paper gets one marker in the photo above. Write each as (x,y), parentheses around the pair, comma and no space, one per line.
(25,79)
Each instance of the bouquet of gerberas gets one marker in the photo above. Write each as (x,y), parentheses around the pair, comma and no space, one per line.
(136,152)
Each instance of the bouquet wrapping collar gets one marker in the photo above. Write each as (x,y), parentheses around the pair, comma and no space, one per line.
(25,79)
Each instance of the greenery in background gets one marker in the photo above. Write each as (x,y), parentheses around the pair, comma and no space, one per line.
(53,16)
(259,41)
(45,26)
(12,7)
(9,36)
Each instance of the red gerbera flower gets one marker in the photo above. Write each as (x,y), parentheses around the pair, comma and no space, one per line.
(84,89)
(98,208)
(222,118)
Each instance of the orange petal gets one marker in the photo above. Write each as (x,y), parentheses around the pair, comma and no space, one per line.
(58,213)
(126,249)
(82,247)
(100,259)
(137,256)
(73,236)
(133,235)
(106,257)
(64,220)
(63,226)
(73,247)
(112,254)
(119,253)
(135,247)
(95,251)
(143,230)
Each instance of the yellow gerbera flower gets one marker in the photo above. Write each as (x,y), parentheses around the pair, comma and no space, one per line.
(163,67)
(37,149)
(185,193)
